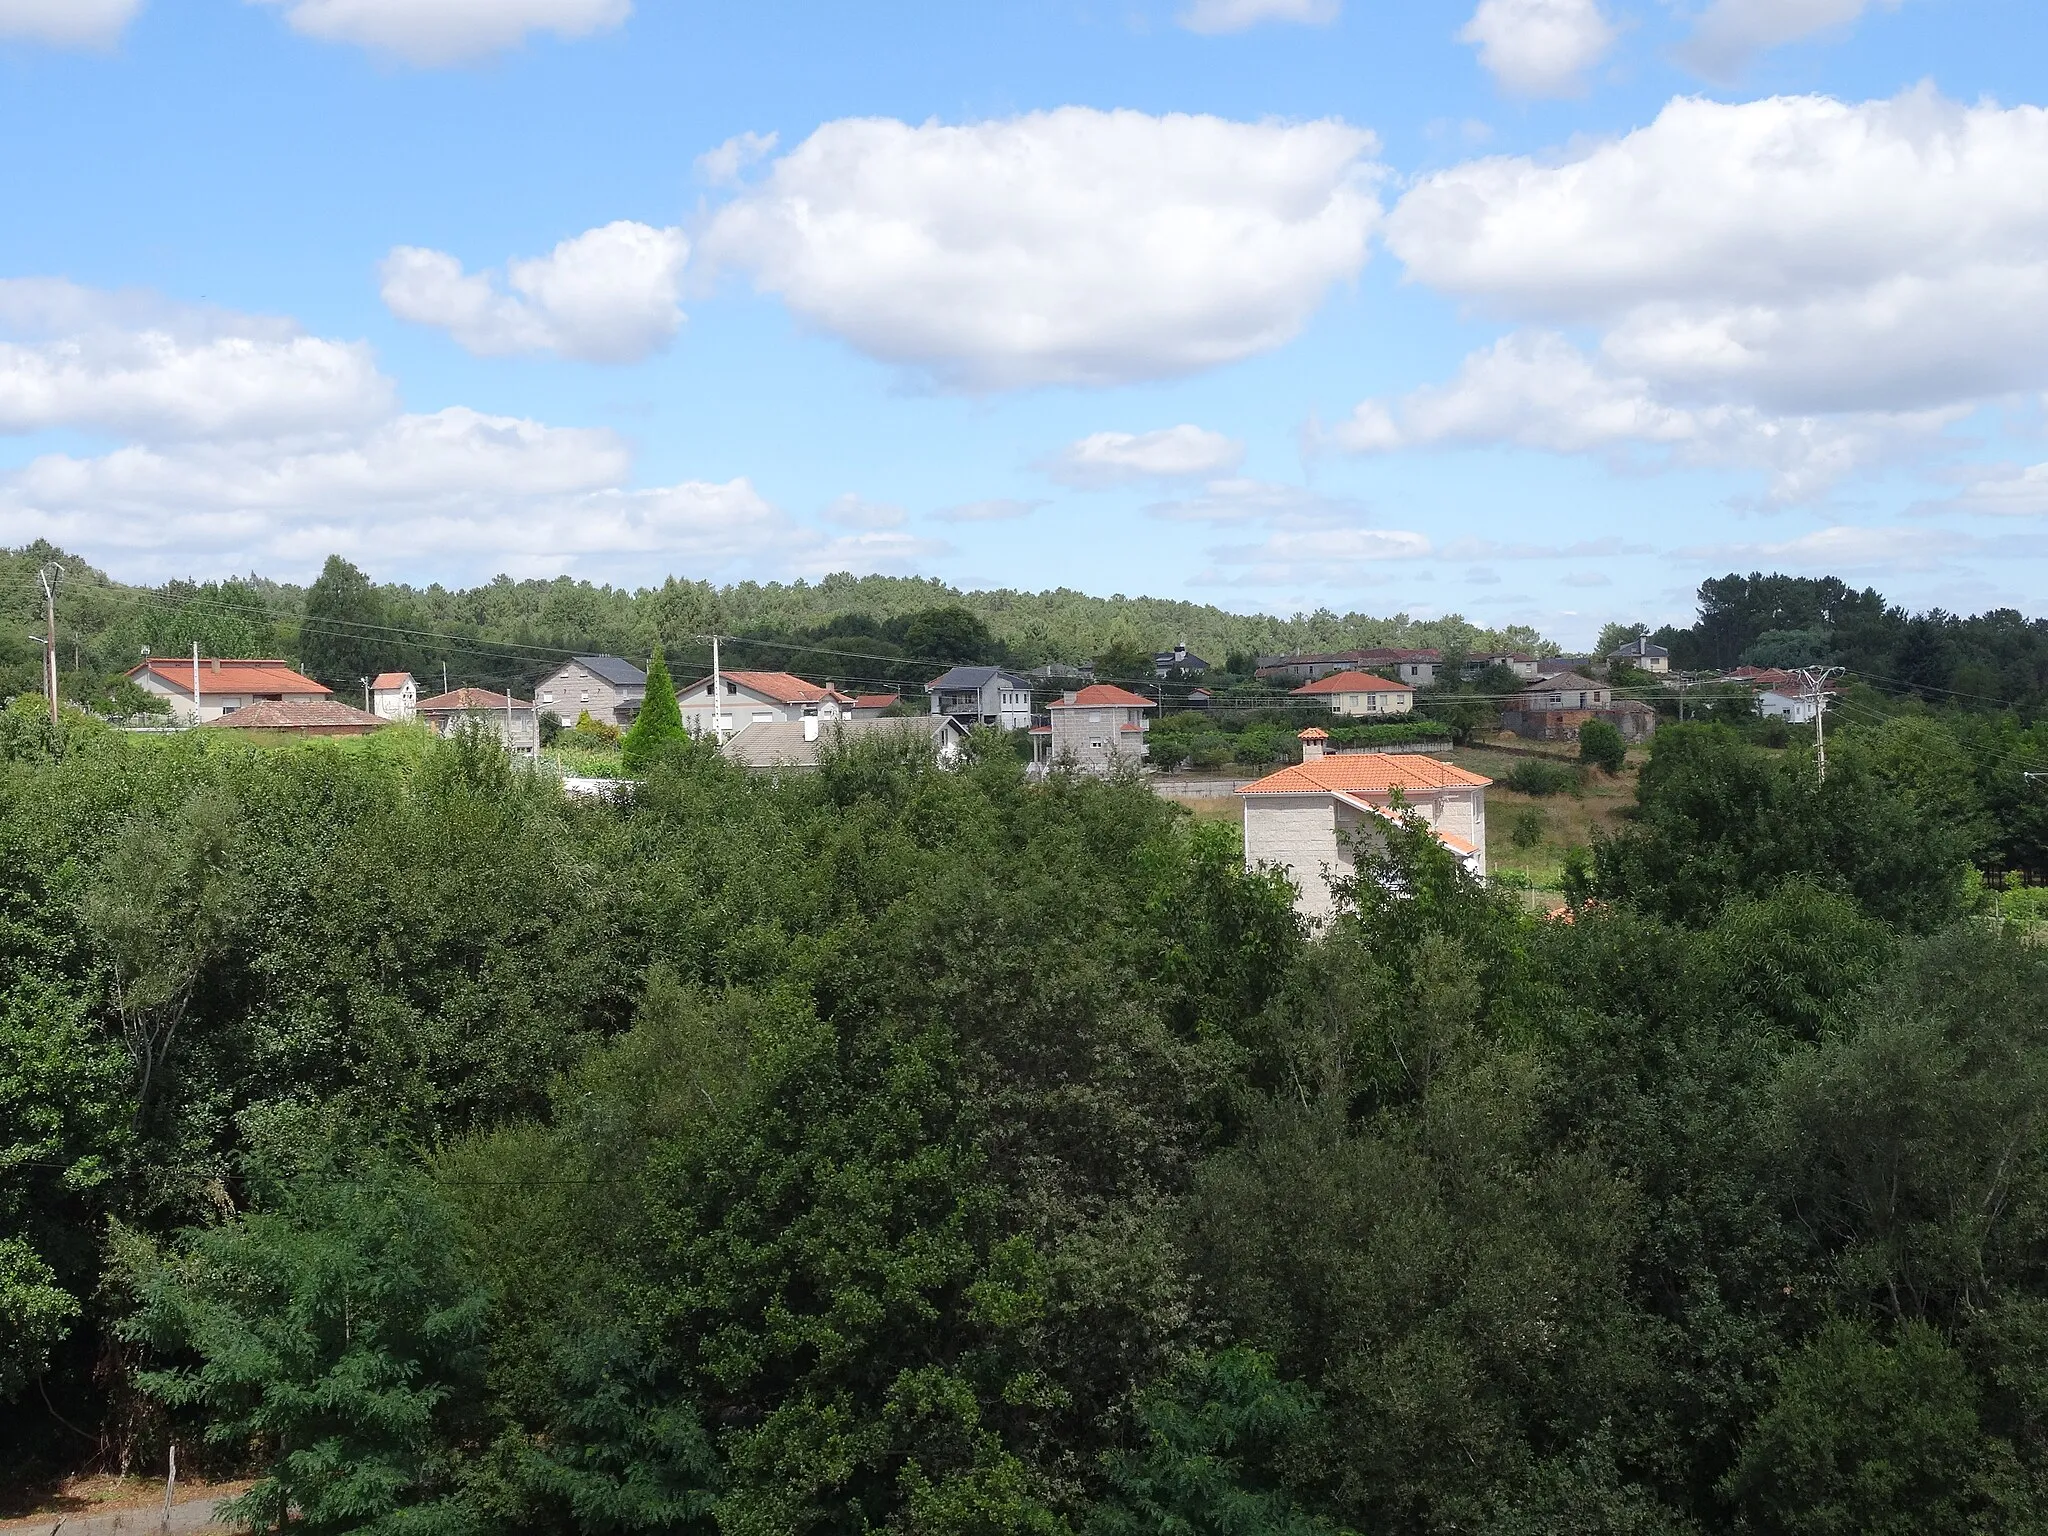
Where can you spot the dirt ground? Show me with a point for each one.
(80, 1498)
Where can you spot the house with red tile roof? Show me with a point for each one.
(513, 721)
(212, 686)
(1312, 818)
(1359, 693)
(300, 717)
(394, 695)
(757, 698)
(1094, 728)
(869, 706)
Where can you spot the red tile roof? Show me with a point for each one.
(782, 687)
(330, 716)
(468, 698)
(877, 700)
(1370, 773)
(1313, 733)
(1105, 696)
(1353, 682)
(384, 680)
(219, 675)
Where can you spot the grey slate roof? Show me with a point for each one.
(960, 679)
(615, 670)
(1562, 682)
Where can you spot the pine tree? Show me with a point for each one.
(659, 723)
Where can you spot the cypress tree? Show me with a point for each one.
(659, 722)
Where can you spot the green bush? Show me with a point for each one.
(1600, 744)
(1533, 776)
(1526, 826)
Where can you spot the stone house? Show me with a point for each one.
(783, 745)
(757, 698)
(1553, 709)
(209, 687)
(609, 689)
(1095, 729)
(1311, 819)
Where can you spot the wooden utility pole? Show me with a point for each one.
(49, 575)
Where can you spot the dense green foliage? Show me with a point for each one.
(658, 728)
(937, 1151)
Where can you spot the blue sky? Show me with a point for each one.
(1534, 310)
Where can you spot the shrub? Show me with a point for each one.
(1601, 745)
(1533, 776)
(1526, 827)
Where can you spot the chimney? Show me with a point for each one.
(1068, 697)
(216, 665)
(1312, 740)
(810, 727)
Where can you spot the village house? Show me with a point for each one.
(513, 721)
(1311, 819)
(394, 696)
(1642, 655)
(1180, 659)
(300, 717)
(1095, 729)
(1553, 666)
(1359, 693)
(869, 706)
(1520, 663)
(757, 698)
(209, 687)
(1790, 703)
(1415, 667)
(779, 745)
(1553, 709)
(609, 689)
(982, 696)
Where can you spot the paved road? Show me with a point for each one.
(189, 1516)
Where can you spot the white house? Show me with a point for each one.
(1643, 656)
(512, 720)
(204, 689)
(1359, 693)
(1793, 705)
(757, 698)
(982, 696)
(1309, 819)
(394, 696)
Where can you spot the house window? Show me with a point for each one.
(1095, 718)
(1095, 746)
(548, 697)
(584, 697)
(762, 716)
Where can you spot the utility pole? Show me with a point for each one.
(49, 575)
(1817, 680)
(366, 693)
(195, 682)
(717, 697)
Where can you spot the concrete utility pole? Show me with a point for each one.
(1817, 680)
(195, 682)
(49, 575)
(717, 696)
(366, 693)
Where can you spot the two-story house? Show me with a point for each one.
(1553, 709)
(1095, 729)
(1313, 819)
(1179, 660)
(609, 689)
(206, 687)
(1642, 655)
(982, 696)
(757, 698)
(1359, 693)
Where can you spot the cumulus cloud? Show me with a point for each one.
(1064, 247)
(851, 511)
(133, 363)
(996, 509)
(67, 23)
(2009, 492)
(1117, 458)
(1730, 33)
(1539, 47)
(441, 32)
(1217, 16)
(610, 295)
(1801, 253)
(1534, 389)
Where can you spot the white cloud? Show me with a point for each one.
(1313, 557)
(2012, 492)
(132, 363)
(1539, 47)
(1798, 253)
(1579, 549)
(1063, 247)
(1844, 548)
(1171, 453)
(68, 23)
(851, 511)
(997, 509)
(1730, 33)
(1589, 579)
(1217, 16)
(1243, 500)
(723, 166)
(610, 295)
(1534, 389)
(439, 32)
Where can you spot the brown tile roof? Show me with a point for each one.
(1105, 695)
(384, 680)
(1563, 682)
(782, 687)
(1353, 682)
(1371, 773)
(219, 675)
(329, 715)
(877, 700)
(1313, 733)
(459, 699)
